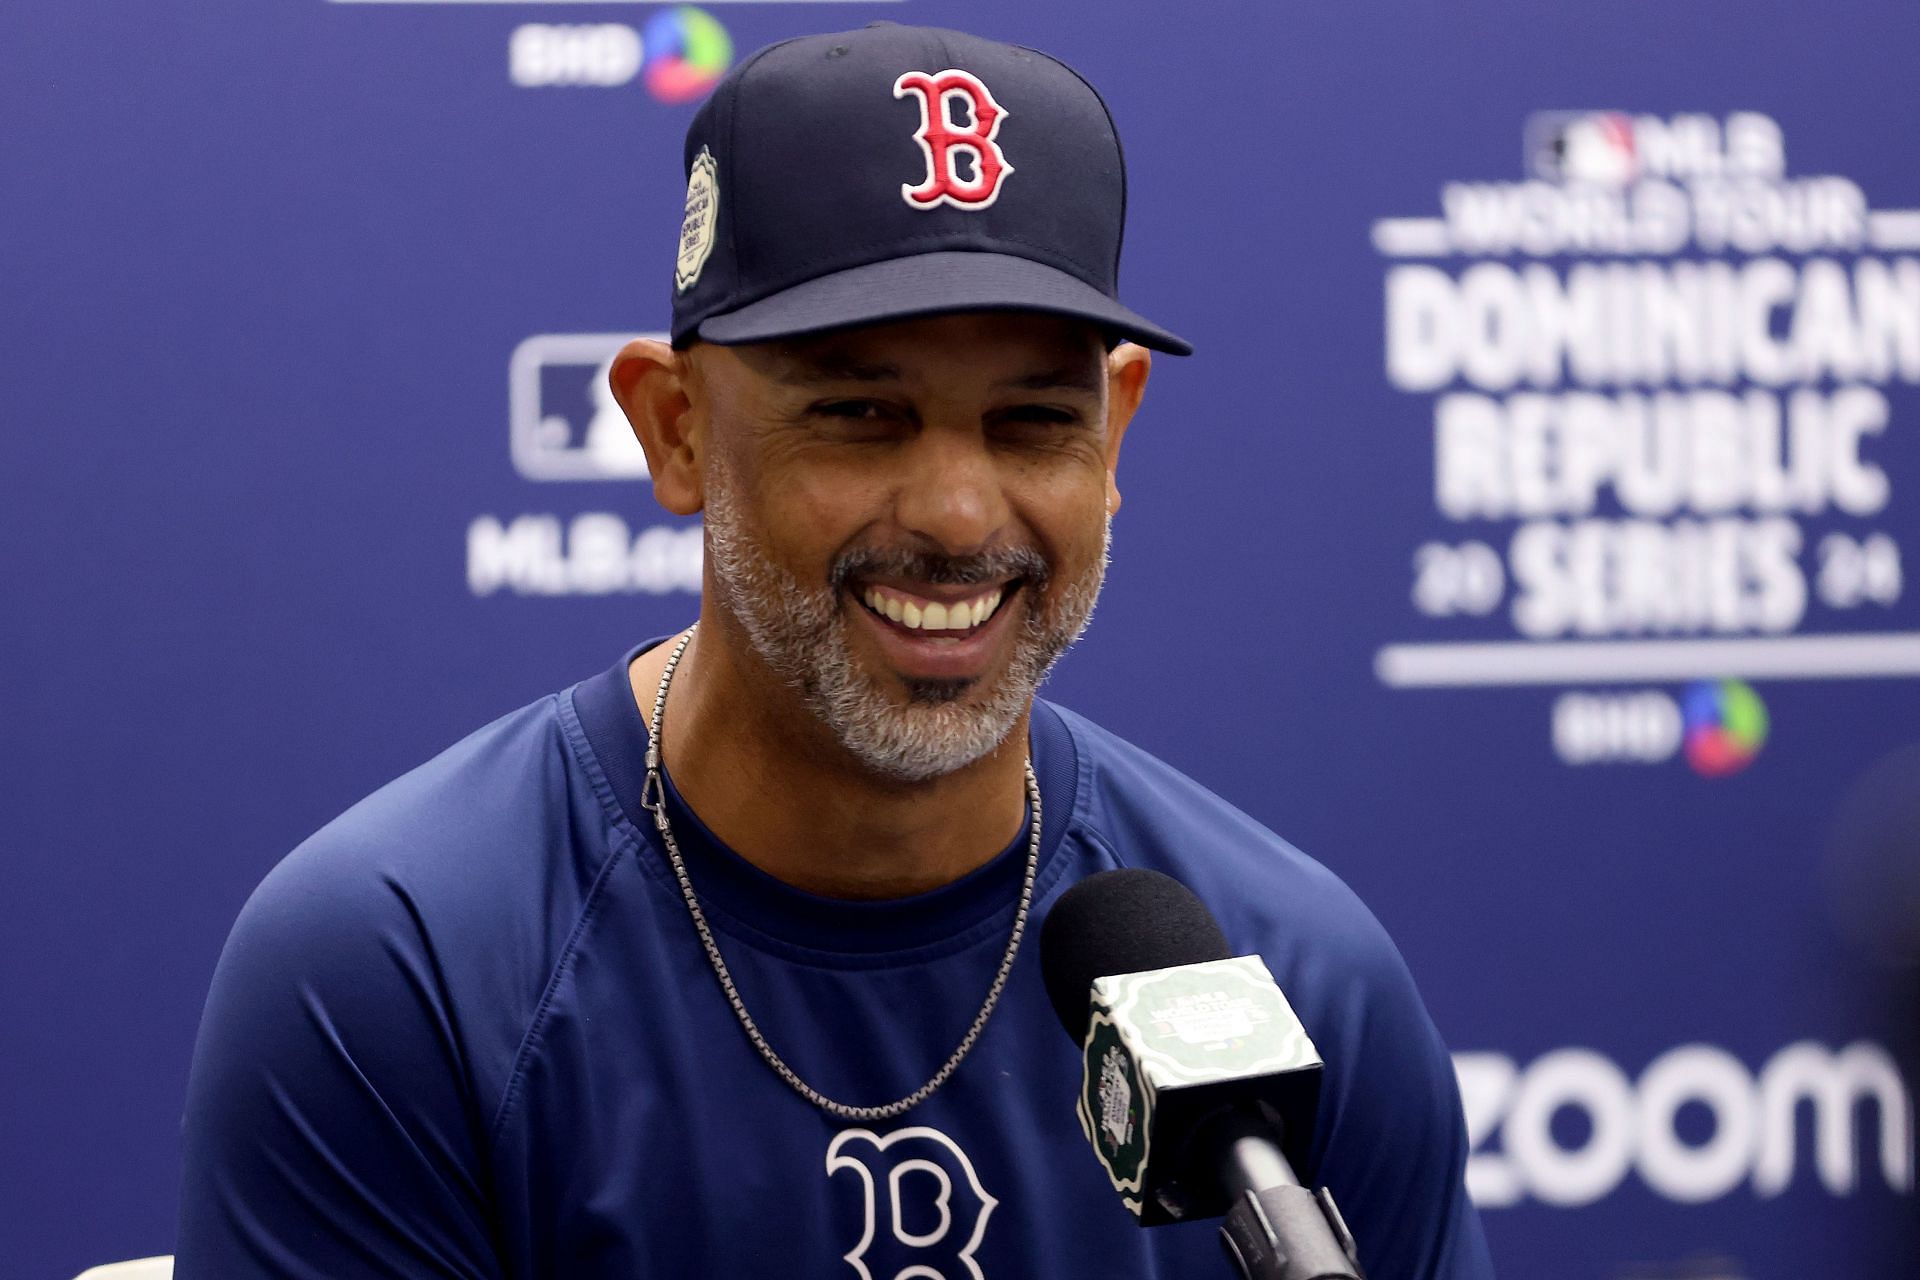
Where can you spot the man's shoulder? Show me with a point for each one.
(381, 982)
(1266, 891)
(446, 899)
(465, 814)
(501, 834)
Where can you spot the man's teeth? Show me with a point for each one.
(960, 615)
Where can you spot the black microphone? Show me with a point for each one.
(1200, 1084)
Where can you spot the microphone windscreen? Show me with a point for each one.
(1124, 921)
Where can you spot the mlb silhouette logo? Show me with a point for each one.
(563, 421)
(1596, 147)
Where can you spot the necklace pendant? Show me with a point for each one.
(653, 794)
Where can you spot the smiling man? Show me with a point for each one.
(713, 964)
(906, 525)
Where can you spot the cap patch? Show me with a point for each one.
(944, 140)
(696, 231)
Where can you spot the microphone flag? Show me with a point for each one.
(1168, 1049)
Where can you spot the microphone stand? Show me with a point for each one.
(1278, 1229)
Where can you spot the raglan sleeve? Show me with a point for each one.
(1391, 1138)
(331, 1132)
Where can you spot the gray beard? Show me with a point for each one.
(801, 633)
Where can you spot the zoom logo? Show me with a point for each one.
(1570, 1127)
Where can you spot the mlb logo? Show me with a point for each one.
(1594, 147)
(563, 421)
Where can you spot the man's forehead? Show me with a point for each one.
(1014, 349)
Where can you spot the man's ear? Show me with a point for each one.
(1127, 368)
(655, 387)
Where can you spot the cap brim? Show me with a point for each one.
(931, 284)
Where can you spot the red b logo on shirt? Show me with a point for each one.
(944, 140)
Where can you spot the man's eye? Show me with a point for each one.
(850, 410)
(1039, 415)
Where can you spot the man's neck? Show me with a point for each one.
(782, 793)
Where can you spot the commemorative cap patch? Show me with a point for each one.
(696, 229)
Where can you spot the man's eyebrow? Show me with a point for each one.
(815, 370)
(1076, 377)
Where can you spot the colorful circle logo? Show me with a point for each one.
(1726, 726)
(687, 53)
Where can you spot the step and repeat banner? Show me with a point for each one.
(1532, 537)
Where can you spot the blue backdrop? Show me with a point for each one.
(1525, 540)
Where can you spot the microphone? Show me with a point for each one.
(1200, 1084)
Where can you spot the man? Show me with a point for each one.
(712, 965)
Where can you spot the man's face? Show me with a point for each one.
(909, 521)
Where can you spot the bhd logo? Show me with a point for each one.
(1721, 724)
(563, 420)
(683, 52)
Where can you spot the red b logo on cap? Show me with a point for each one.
(943, 140)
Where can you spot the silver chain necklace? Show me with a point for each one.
(653, 798)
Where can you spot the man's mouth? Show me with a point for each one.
(951, 616)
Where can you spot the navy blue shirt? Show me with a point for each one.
(468, 1030)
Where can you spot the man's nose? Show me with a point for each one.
(953, 492)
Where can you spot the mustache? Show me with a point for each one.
(938, 568)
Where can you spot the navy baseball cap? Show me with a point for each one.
(900, 171)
